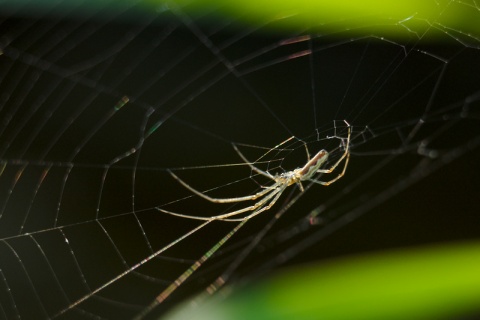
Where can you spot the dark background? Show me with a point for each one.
(72, 162)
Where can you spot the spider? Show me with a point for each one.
(269, 195)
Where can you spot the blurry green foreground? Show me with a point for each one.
(406, 18)
(429, 283)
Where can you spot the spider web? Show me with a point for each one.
(98, 107)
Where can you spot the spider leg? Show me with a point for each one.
(260, 204)
(330, 170)
(166, 293)
(345, 154)
(187, 273)
(326, 183)
(223, 200)
(262, 209)
(257, 170)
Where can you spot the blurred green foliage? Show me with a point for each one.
(439, 282)
(385, 17)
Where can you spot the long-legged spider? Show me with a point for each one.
(269, 195)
